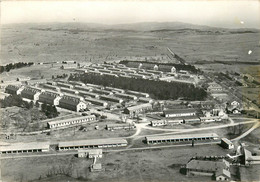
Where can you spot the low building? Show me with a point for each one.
(35, 81)
(95, 86)
(83, 88)
(31, 93)
(220, 170)
(96, 167)
(65, 85)
(47, 86)
(214, 87)
(109, 74)
(88, 94)
(179, 112)
(102, 91)
(159, 123)
(125, 96)
(226, 143)
(96, 101)
(12, 89)
(191, 119)
(16, 148)
(68, 90)
(135, 110)
(92, 143)
(249, 158)
(112, 89)
(111, 99)
(90, 153)
(208, 119)
(135, 75)
(69, 66)
(71, 121)
(126, 126)
(138, 94)
(181, 138)
(51, 98)
(145, 100)
(72, 103)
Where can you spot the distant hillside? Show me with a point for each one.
(143, 26)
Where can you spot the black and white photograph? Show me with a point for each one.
(129, 90)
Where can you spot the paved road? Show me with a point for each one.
(256, 125)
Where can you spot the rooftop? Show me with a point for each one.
(173, 111)
(24, 146)
(93, 142)
(70, 119)
(132, 108)
(171, 137)
(207, 165)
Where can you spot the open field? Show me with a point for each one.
(83, 42)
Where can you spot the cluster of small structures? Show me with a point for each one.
(121, 70)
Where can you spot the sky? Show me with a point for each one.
(227, 14)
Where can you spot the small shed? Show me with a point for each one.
(96, 167)
(91, 153)
(226, 143)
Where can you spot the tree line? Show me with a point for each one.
(11, 66)
(157, 89)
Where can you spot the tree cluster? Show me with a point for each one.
(49, 110)
(157, 89)
(11, 66)
(15, 100)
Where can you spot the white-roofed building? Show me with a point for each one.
(92, 143)
(181, 138)
(135, 110)
(90, 153)
(71, 121)
(16, 148)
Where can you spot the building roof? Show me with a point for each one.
(249, 156)
(93, 142)
(29, 90)
(49, 95)
(112, 98)
(24, 146)
(90, 99)
(207, 165)
(177, 111)
(146, 99)
(91, 151)
(223, 172)
(172, 137)
(118, 125)
(70, 119)
(133, 108)
(227, 141)
(135, 92)
(125, 95)
(12, 87)
(97, 166)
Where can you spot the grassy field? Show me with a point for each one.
(58, 42)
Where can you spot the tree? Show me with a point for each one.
(37, 104)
